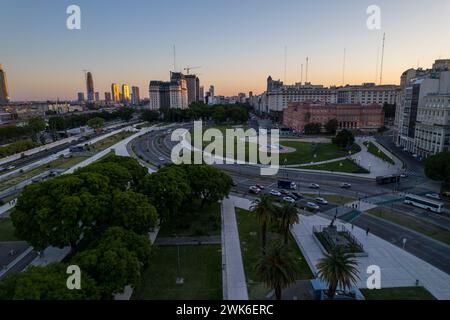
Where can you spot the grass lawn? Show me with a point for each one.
(332, 198)
(108, 142)
(373, 149)
(250, 239)
(63, 163)
(347, 166)
(194, 222)
(430, 230)
(201, 268)
(406, 293)
(7, 230)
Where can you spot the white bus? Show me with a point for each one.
(424, 203)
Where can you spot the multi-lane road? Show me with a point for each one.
(156, 148)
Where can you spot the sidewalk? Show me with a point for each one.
(398, 267)
(234, 283)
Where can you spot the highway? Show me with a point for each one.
(156, 147)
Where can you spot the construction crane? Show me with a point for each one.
(190, 68)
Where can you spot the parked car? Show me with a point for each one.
(288, 199)
(404, 175)
(254, 189)
(314, 186)
(284, 192)
(321, 201)
(346, 185)
(259, 186)
(275, 193)
(312, 205)
(433, 196)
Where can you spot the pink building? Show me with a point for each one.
(348, 116)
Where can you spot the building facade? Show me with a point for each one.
(193, 88)
(136, 99)
(107, 97)
(115, 92)
(4, 96)
(348, 116)
(80, 97)
(90, 87)
(432, 129)
(126, 95)
(169, 94)
(368, 93)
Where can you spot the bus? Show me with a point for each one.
(424, 203)
(395, 178)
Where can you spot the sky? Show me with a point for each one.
(237, 43)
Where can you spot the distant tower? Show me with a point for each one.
(135, 94)
(382, 59)
(126, 93)
(4, 97)
(90, 87)
(115, 92)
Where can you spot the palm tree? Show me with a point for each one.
(264, 211)
(338, 269)
(278, 269)
(287, 216)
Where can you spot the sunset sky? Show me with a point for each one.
(237, 43)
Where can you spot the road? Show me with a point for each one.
(155, 148)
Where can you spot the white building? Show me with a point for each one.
(170, 94)
(432, 131)
(368, 94)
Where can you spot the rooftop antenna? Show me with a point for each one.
(301, 74)
(376, 65)
(285, 63)
(382, 59)
(343, 69)
(307, 64)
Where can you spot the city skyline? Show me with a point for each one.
(44, 60)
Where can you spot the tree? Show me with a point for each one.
(264, 210)
(96, 123)
(167, 190)
(208, 183)
(338, 269)
(45, 283)
(313, 128)
(150, 115)
(278, 269)
(125, 113)
(287, 216)
(132, 211)
(344, 139)
(118, 176)
(331, 126)
(133, 167)
(36, 126)
(58, 211)
(437, 167)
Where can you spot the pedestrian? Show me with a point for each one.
(367, 231)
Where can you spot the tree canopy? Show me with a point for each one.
(344, 139)
(437, 167)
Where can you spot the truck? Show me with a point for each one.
(284, 184)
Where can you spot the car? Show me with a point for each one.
(321, 201)
(275, 193)
(312, 205)
(233, 183)
(314, 186)
(433, 196)
(288, 200)
(286, 193)
(10, 167)
(161, 159)
(346, 185)
(446, 193)
(404, 175)
(254, 189)
(260, 186)
(415, 156)
(297, 195)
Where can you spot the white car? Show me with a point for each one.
(161, 159)
(10, 167)
(433, 196)
(404, 175)
(321, 201)
(288, 199)
(314, 186)
(346, 185)
(312, 205)
(275, 193)
(254, 189)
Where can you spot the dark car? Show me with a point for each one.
(297, 195)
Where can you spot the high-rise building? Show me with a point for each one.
(193, 87)
(201, 94)
(115, 92)
(107, 97)
(422, 93)
(90, 87)
(126, 93)
(97, 96)
(135, 95)
(4, 97)
(80, 96)
(171, 94)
